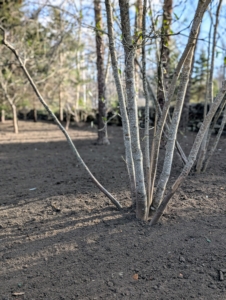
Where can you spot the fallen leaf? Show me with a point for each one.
(135, 276)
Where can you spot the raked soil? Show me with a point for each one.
(61, 238)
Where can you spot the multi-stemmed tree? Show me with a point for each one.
(155, 200)
(149, 193)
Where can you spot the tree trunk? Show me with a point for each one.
(61, 110)
(214, 145)
(147, 107)
(122, 102)
(102, 129)
(15, 121)
(164, 51)
(35, 116)
(141, 205)
(202, 6)
(170, 146)
(137, 33)
(185, 111)
(205, 143)
(68, 118)
(3, 116)
(193, 154)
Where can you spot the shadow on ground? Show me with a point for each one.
(60, 238)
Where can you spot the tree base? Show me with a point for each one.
(102, 141)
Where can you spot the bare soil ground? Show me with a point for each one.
(60, 238)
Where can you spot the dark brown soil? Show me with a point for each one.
(60, 238)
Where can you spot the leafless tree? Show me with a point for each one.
(150, 193)
(156, 199)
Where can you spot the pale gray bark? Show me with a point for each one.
(159, 113)
(214, 145)
(68, 118)
(137, 37)
(208, 66)
(61, 106)
(146, 96)
(122, 103)
(3, 116)
(202, 6)
(193, 154)
(217, 115)
(71, 144)
(61, 109)
(141, 204)
(205, 143)
(172, 134)
(210, 93)
(107, 68)
(185, 110)
(12, 105)
(15, 120)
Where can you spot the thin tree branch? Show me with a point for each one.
(192, 156)
(75, 151)
(122, 102)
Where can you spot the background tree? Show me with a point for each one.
(102, 113)
(164, 57)
(10, 16)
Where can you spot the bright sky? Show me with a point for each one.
(184, 9)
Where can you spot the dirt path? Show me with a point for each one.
(60, 238)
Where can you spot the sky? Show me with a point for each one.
(183, 9)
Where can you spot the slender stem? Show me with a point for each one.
(214, 145)
(206, 139)
(170, 146)
(122, 103)
(202, 6)
(145, 89)
(192, 156)
(159, 112)
(129, 50)
(75, 151)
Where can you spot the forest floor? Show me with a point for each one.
(60, 238)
